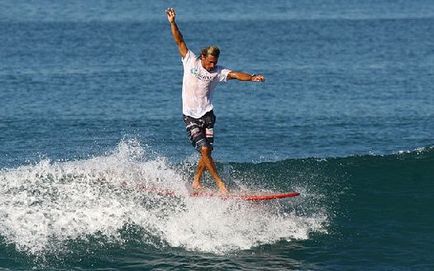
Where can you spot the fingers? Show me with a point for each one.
(170, 12)
(259, 78)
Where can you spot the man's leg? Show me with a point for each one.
(198, 176)
(206, 162)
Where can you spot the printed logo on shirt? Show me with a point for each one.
(195, 73)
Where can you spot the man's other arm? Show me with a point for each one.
(242, 76)
(177, 36)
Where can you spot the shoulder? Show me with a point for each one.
(222, 69)
(189, 55)
(222, 73)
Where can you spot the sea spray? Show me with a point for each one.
(47, 205)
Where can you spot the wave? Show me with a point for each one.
(51, 206)
(48, 206)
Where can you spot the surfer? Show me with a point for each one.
(201, 75)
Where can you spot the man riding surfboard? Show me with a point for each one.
(201, 75)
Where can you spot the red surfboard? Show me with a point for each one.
(247, 196)
(244, 196)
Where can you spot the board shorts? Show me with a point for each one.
(201, 131)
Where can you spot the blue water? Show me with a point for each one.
(90, 112)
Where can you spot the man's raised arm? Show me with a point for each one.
(177, 36)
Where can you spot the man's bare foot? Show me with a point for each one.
(196, 186)
(223, 190)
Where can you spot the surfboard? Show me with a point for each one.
(238, 195)
(246, 196)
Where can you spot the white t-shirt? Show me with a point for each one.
(198, 85)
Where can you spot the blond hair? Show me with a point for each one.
(210, 51)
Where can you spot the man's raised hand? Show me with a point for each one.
(171, 14)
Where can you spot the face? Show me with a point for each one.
(209, 62)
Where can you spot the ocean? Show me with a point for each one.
(90, 115)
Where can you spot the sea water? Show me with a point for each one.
(90, 119)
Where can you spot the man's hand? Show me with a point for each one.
(171, 14)
(258, 78)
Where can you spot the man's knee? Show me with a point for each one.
(205, 150)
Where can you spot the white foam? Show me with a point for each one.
(220, 226)
(42, 206)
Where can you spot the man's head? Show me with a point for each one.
(209, 57)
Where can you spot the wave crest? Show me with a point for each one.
(44, 206)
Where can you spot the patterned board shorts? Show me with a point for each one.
(200, 131)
